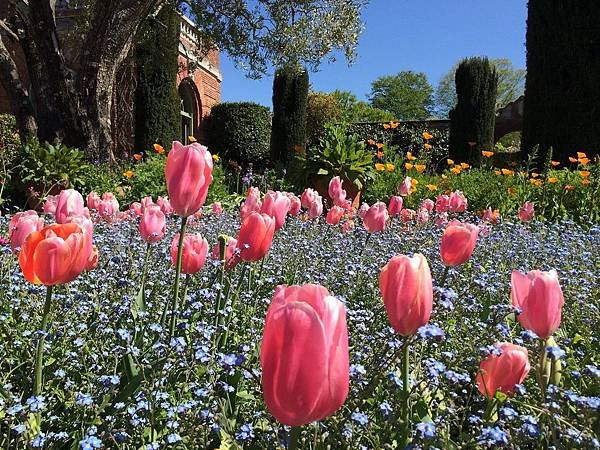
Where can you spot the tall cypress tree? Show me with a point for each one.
(290, 96)
(472, 119)
(562, 88)
(157, 104)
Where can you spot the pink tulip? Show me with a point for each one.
(395, 206)
(407, 292)
(92, 200)
(108, 208)
(256, 236)
(407, 215)
(337, 194)
(442, 204)
(334, 215)
(304, 355)
(490, 216)
(422, 216)
(276, 205)
(295, 205)
(229, 250)
(441, 220)
(50, 204)
(427, 204)
(146, 201)
(308, 197)
(21, 225)
(526, 212)
(363, 210)
(348, 226)
(136, 208)
(165, 205)
(316, 208)
(376, 218)
(195, 248)
(458, 242)
(457, 202)
(539, 297)
(152, 224)
(406, 187)
(69, 203)
(188, 173)
(252, 203)
(93, 259)
(217, 208)
(503, 372)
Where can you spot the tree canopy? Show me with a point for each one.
(407, 95)
(511, 85)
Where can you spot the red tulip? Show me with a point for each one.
(276, 205)
(256, 236)
(316, 207)
(395, 206)
(252, 203)
(334, 215)
(502, 373)
(457, 202)
(92, 200)
(152, 224)
(308, 197)
(21, 225)
(458, 242)
(304, 355)
(50, 204)
(337, 194)
(406, 187)
(407, 292)
(539, 297)
(188, 173)
(295, 204)
(526, 212)
(195, 248)
(54, 254)
(442, 204)
(69, 203)
(375, 218)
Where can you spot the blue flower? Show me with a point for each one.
(360, 418)
(173, 438)
(426, 430)
(430, 331)
(89, 443)
(245, 432)
(386, 409)
(492, 436)
(555, 352)
(36, 403)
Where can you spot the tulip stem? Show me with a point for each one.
(444, 276)
(39, 353)
(177, 276)
(543, 377)
(294, 438)
(406, 391)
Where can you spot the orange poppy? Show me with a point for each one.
(534, 175)
(128, 174)
(431, 187)
(427, 135)
(420, 167)
(569, 187)
(449, 162)
(552, 180)
(555, 163)
(394, 124)
(444, 176)
(427, 146)
(408, 166)
(584, 173)
(379, 145)
(584, 161)
(390, 167)
(497, 172)
(487, 154)
(380, 154)
(464, 165)
(371, 142)
(137, 156)
(585, 181)
(386, 126)
(581, 155)
(158, 148)
(410, 156)
(573, 160)
(456, 170)
(379, 167)
(508, 172)
(192, 139)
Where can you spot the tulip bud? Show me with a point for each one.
(376, 218)
(152, 224)
(195, 248)
(256, 236)
(69, 203)
(395, 206)
(458, 242)
(503, 372)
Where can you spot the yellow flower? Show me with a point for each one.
(584, 173)
(427, 146)
(585, 181)
(552, 180)
(444, 176)
(449, 162)
(535, 182)
(216, 158)
(555, 163)
(456, 170)
(420, 167)
(408, 166)
(410, 156)
(128, 174)
(414, 182)
(379, 167)
(158, 148)
(497, 172)
(487, 154)
(464, 165)
(192, 139)
(581, 155)
(390, 167)
(427, 135)
(431, 187)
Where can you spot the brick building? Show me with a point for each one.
(198, 81)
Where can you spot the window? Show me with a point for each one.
(188, 111)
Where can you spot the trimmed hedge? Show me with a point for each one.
(240, 132)
(407, 137)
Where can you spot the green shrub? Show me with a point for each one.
(241, 132)
(9, 143)
(290, 95)
(472, 119)
(322, 109)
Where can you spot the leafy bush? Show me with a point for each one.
(9, 143)
(322, 109)
(241, 132)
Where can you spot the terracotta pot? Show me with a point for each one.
(321, 185)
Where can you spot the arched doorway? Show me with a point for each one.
(188, 110)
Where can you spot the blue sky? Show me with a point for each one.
(421, 35)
